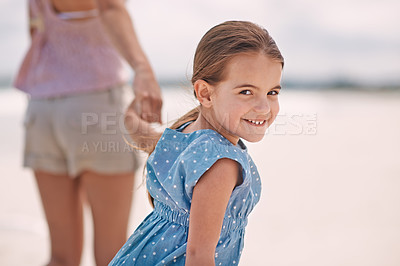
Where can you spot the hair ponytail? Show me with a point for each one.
(189, 116)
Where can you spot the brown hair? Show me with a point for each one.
(226, 40)
(217, 47)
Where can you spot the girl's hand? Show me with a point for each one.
(141, 131)
(132, 118)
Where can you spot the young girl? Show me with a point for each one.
(201, 179)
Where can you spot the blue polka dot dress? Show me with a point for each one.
(173, 169)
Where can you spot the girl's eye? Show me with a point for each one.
(273, 93)
(245, 92)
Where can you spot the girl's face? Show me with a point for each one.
(246, 103)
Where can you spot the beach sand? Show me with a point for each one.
(330, 168)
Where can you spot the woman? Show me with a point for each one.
(73, 140)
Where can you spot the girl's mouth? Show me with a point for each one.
(258, 123)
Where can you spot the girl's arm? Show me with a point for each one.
(210, 199)
(141, 131)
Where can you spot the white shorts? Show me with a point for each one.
(72, 134)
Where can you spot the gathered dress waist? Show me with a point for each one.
(177, 216)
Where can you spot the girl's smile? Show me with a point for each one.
(255, 122)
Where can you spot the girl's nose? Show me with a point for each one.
(262, 105)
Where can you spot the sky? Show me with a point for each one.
(355, 40)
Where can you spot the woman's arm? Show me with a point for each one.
(31, 23)
(210, 199)
(118, 24)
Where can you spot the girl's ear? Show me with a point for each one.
(203, 92)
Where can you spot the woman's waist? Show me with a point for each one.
(44, 79)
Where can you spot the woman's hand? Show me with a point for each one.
(148, 100)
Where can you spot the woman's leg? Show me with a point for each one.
(61, 200)
(110, 198)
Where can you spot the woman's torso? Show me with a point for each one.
(67, 56)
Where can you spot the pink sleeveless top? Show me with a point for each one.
(67, 57)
